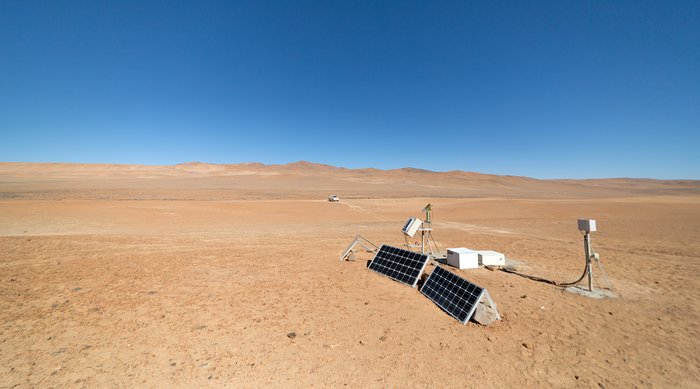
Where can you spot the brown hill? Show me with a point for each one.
(196, 180)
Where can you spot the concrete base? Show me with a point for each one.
(595, 294)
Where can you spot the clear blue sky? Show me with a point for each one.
(547, 89)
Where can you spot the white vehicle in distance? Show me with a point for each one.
(333, 198)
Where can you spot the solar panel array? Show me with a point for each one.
(398, 264)
(455, 295)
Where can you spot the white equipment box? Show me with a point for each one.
(412, 225)
(491, 258)
(462, 258)
(586, 225)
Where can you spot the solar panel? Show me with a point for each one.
(399, 264)
(455, 295)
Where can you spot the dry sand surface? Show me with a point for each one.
(196, 275)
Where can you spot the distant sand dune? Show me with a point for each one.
(195, 180)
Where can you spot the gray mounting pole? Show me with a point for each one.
(587, 248)
(426, 226)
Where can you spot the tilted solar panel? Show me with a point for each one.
(455, 295)
(399, 264)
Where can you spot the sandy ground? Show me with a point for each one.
(171, 292)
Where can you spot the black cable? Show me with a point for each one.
(585, 270)
(540, 279)
(534, 278)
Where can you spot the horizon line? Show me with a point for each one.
(302, 161)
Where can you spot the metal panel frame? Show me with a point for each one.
(359, 239)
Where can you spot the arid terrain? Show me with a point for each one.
(199, 275)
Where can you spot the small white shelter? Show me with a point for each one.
(491, 258)
(462, 258)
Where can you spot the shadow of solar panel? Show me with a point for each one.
(398, 264)
(455, 295)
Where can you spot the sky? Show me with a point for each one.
(546, 89)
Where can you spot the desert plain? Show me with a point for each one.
(199, 275)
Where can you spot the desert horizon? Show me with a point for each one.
(305, 180)
(202, 166)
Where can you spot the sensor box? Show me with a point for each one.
(463, 258)
(491, 258)
(586, 225)
(412, 225)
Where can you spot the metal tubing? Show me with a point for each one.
(587, 249)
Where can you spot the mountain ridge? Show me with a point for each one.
(301, 165)
(303, 179)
